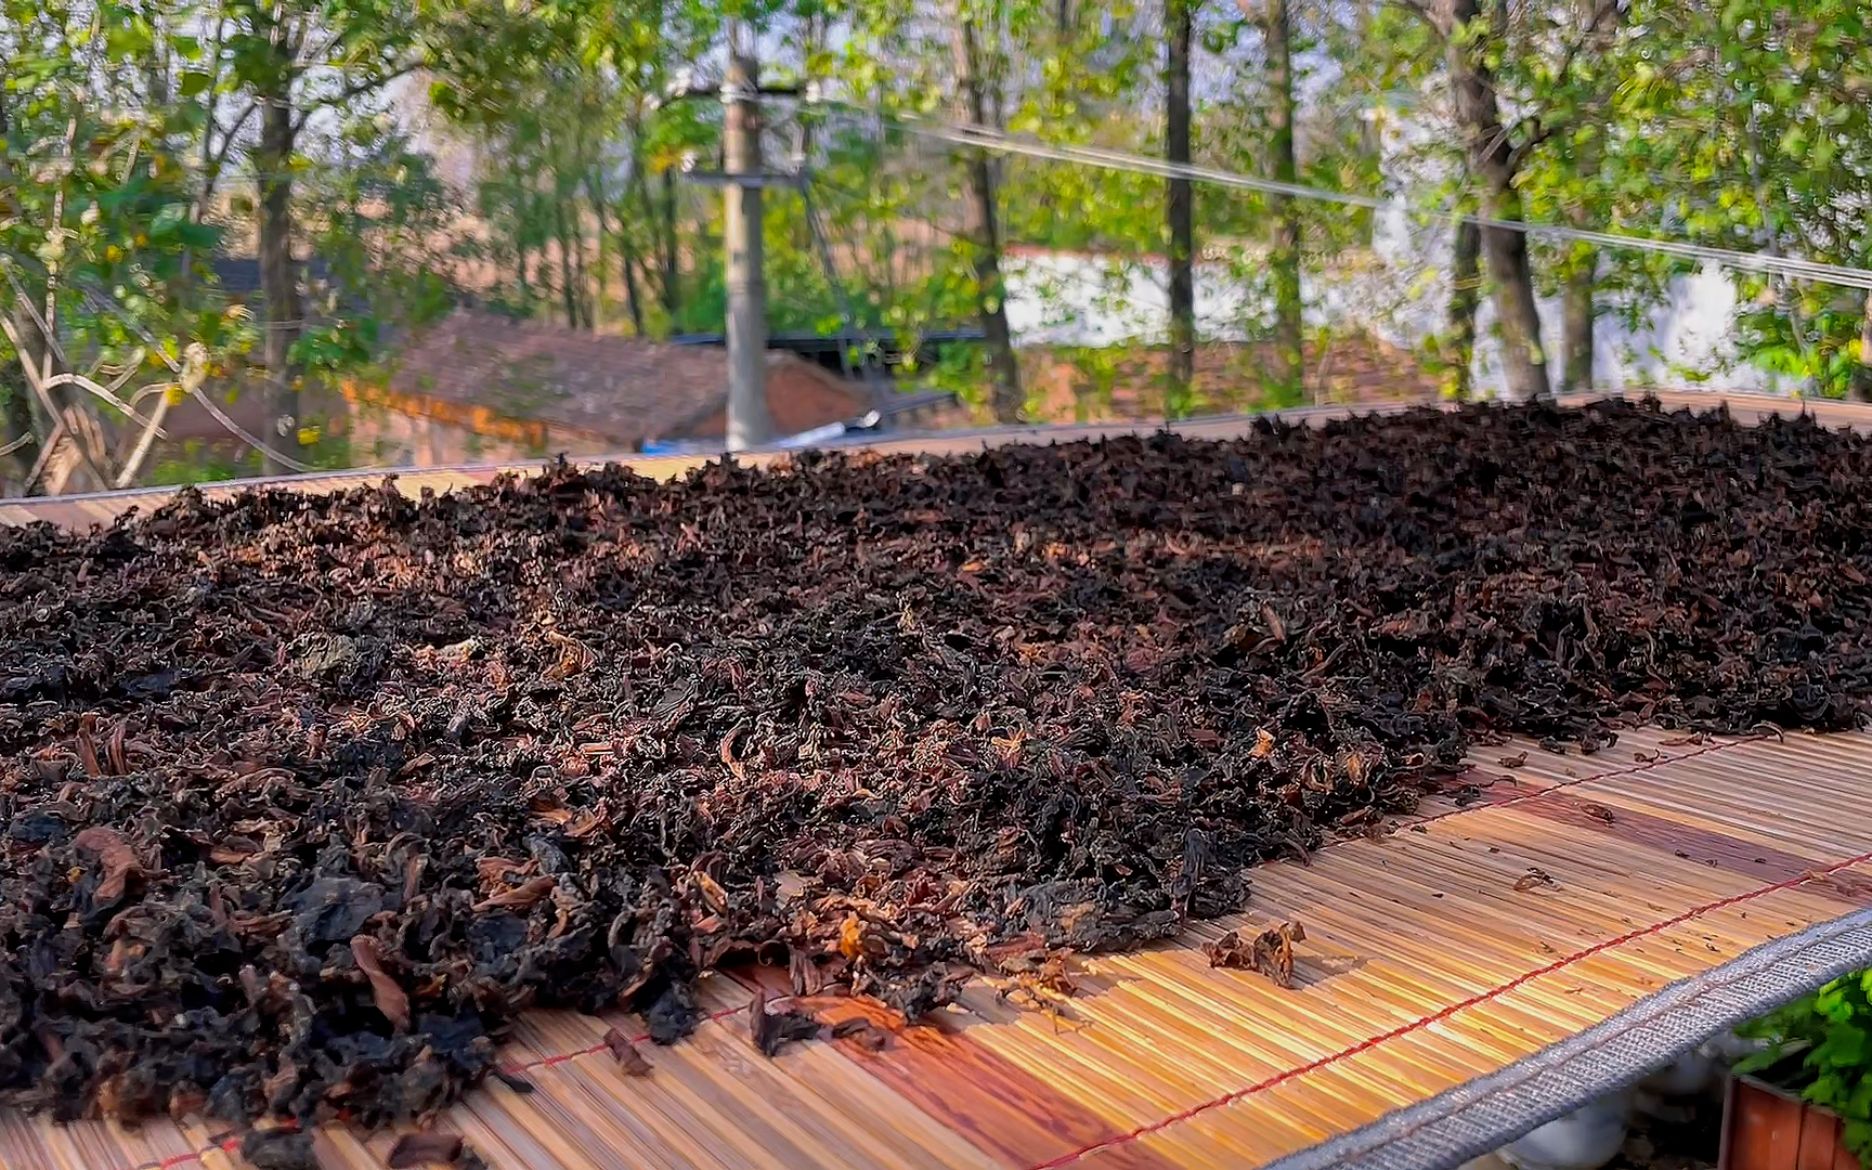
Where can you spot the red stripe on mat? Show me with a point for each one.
(1444, 1014)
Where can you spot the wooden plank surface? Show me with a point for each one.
(1424, 967)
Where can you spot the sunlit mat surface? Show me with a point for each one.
(1564, 890)
(1459, 943)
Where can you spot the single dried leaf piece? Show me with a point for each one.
(1514, 761)
(87, 747)
(1270, 953)
(1264, 744)
(520, 897)
(389, 996)
(1535, 876)
(712, 892)
(863, 1033)
(1598, 812)
(622, 1047)
(1277, 629)
(549, 809)
(492, 870)
(115, 857)
(804, 973)
(772, 1030)
(852, 938)
(415, 1149)
(231, 854)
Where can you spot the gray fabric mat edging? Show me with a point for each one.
(1486, 1113)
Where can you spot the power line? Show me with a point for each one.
(1000, 142)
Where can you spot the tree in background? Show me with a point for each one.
(284, 63)
(1749, 124)
(98, 242)
(1180, 205)
(1284, 217)
(142, 136)
(1516, 78)
(979, 68)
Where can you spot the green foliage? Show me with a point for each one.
(1831, 1034)
(131, 153)
(1740, 124)
(385, 227)
(197, 463)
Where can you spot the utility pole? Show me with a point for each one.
(742, 179)
(749, 422)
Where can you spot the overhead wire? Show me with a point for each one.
(1002, 142)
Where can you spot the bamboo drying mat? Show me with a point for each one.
(1424, 967)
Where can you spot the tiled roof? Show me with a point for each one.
(617, 388)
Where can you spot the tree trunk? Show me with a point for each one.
(627, 262)
(1861, 388)
(665, 284)
(1178, 398)
(279, 278)
(1370, 141)
(984, 229)
(1492, 160)
(670, 255)
(594, 190)
(633, 295)
(1284, 252)
(26, 414)
(1576, 324)
(1465, 298)
(1578, 310)
(568, 286)
(16, 406)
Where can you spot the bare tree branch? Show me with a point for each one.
(47, 449)
(355, 89)
(241, 433)
(1438, 22)
(1537, 128)
(214, 162)
(145, 443)
(95, 390)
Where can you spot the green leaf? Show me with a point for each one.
(170, 218)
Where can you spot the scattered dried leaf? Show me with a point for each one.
(1270, 953)
(625, 1050)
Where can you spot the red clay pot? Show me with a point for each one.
(1765, 1128)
